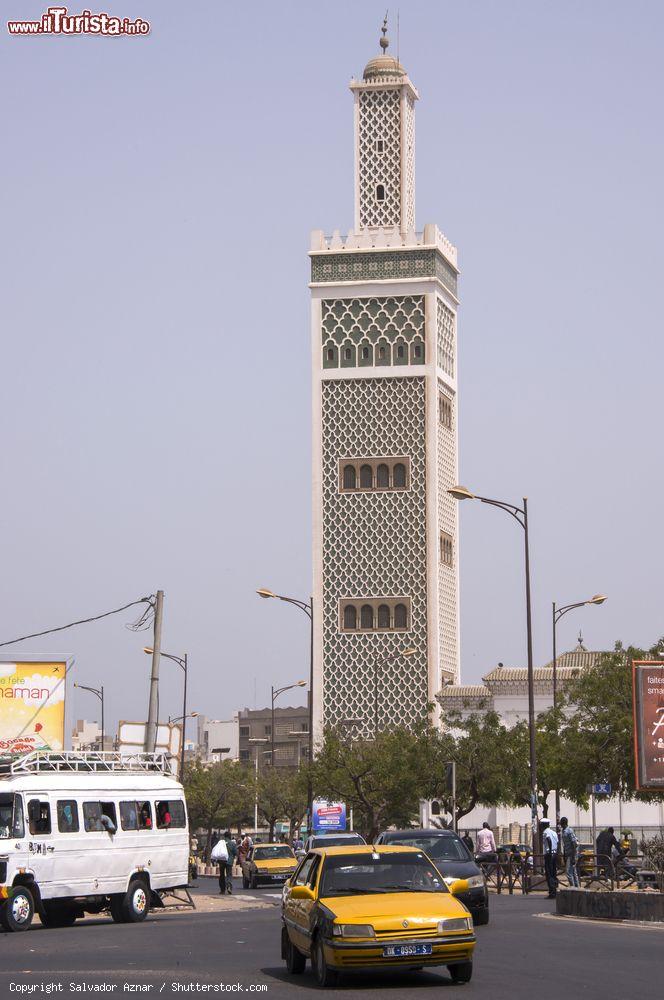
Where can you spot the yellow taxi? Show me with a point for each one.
(373, 907)
(268, 864)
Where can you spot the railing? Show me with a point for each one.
(505, 874)
(84, 762)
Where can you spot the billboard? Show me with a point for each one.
(32, 704)
(648, 687)
(329, 815)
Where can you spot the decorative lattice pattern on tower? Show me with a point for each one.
(380, 331)
(445, 337)
(447, 522)
(383, 265)
(380, 123)
(410, 161)
(374, 544)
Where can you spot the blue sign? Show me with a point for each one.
(328, 815)
(602, 788)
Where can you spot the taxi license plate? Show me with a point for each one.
(280, 878)
(404, 950)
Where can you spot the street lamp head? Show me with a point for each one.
(301, 684)
(408, 652)
(264, 592)
(597, 599)
(148, 649)
(461, 493)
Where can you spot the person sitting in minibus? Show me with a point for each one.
(163, 815)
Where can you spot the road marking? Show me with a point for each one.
(636, 925)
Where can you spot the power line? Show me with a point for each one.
(141, 623)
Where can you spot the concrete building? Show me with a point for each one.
(291, 735)
(216, 734)
(505, 691)
(383, 324)
(87, 736)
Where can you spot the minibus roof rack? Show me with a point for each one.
(40, 761)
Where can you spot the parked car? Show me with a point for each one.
(504, 851)
(268, 864)
(372, 907)
(453, 859)
(332, 839)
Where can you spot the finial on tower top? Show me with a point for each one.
(384, 41)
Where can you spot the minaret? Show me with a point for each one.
(383, 320)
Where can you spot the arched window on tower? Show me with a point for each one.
(366, 617)
(383, 616)
(350, 616)
(380, 192)
(366, 477)
(399, 476)
(350, 477)
(382, 477)
(400, 616)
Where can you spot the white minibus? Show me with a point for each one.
(87, 832)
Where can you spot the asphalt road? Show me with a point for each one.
(522, 953)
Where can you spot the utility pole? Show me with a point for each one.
(153, 707)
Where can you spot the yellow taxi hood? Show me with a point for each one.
(412, 906)
(270, 863)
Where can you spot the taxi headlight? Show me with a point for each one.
(454, 924)
(353, 930)
(475, 881)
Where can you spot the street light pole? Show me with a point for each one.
(557, 614)
(308, 609)
(520, 515)
(275, 694)
(99, 692)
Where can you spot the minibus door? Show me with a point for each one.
(40, 842)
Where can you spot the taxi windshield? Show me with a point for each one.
(347, 874)
(6, 816)
(267, 853)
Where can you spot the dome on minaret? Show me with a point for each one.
(383, 66)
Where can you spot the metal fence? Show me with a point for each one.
(595, 871)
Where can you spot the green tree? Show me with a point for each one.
(217, 794)
(282, 795)
(381, 780)
(491, 763)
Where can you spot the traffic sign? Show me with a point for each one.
(601, 788)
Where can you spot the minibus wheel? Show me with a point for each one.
(116, 908)
(58, 915)
(18, 911)
(136, 904)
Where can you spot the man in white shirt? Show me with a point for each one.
(550, 848)
(486, 845)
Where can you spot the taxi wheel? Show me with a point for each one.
(461, 973)
(18, 910)
(481, 917)
(325, 976)
(295, 961)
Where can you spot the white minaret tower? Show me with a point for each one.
(383, 320)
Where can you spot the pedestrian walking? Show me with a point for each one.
(231, 849)
(550, 847)
(570, 851)
(219, 856)
(468, 841)
(486, 844)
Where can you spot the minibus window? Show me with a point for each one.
(19, 824)
(163, 815)
(92, 817)
(128, 816)
(108, 817)
(39, 816)
(67, 816)
(6, 809)
(144, 815)
(173, 813)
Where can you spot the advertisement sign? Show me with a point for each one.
(32, 705)
(329, 815)
(648, 685)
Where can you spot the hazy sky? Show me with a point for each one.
(157, 197)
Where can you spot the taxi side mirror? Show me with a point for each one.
(458, 886)
(302, 892)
